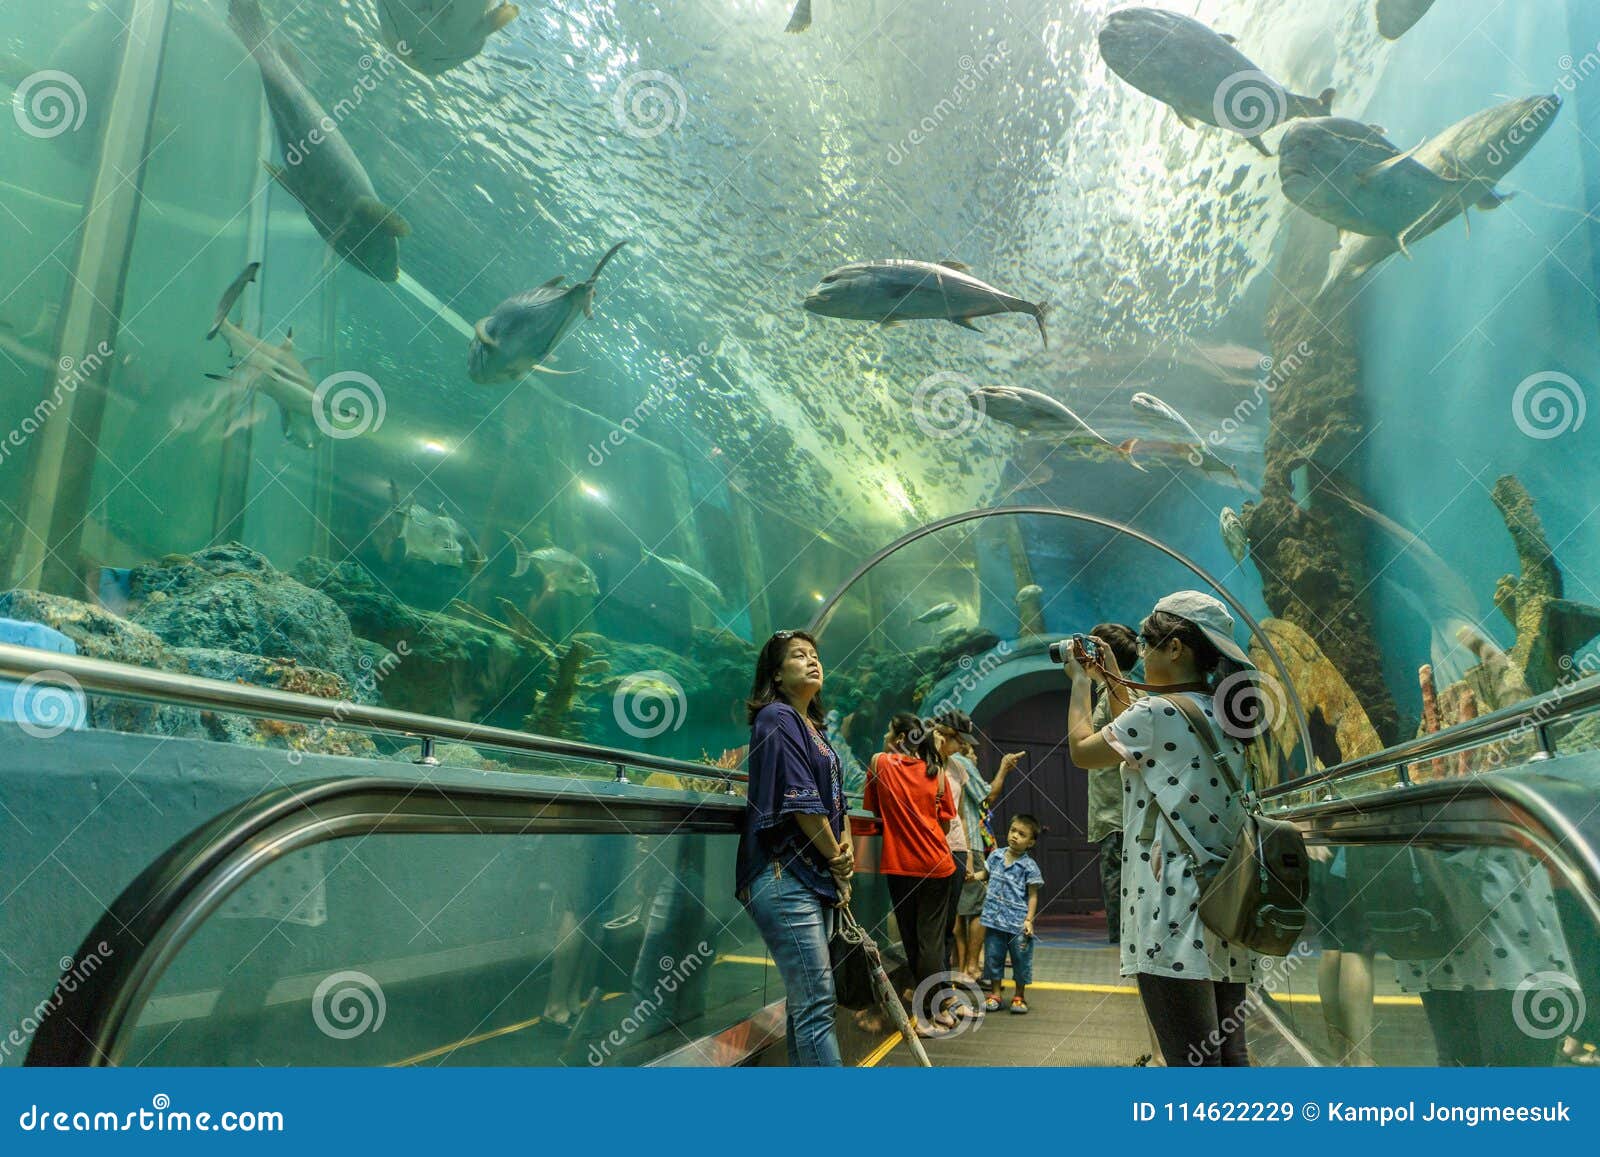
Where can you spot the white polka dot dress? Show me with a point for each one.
(1165, 766)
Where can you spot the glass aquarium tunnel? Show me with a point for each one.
(461, 400)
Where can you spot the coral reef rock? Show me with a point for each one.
(1340, 729)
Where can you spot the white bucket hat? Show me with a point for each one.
(1210, 616)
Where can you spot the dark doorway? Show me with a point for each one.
(1048, 785)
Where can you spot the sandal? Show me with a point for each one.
(1018, 1005)
(992, 1004)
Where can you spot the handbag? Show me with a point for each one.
(1257, 895)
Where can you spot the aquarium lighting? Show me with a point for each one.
(897, 494)
(593, 492)
(433, 447)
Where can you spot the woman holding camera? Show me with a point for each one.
(1181, 814)
(795, 858)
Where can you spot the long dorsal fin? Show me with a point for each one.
(554, 281)
(952, 263)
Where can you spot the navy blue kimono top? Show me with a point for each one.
(792, 772)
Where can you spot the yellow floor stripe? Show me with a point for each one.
(468, 1042)
(883, 1050)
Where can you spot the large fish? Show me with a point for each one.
(1396, 17)
(1481, 150)
(434, 36)
(688, 578)
(1038, 413)
(1351, 175)
(272, 369)
(562, 570)
(896, 290)
(1200, 75)
(320, 169)
(1179, 427)
(524, 330)
(1234, 535)
(800, 18)
(936, 612)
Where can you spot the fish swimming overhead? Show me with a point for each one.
(562, 570)
(1031, 591)
(1397, 17)
(894, 290)
(320, 169)
(1200, 75)
(1481, 150)
(524, 330)
(272, 369)
(434, 36)
(1350, 175)
(688, 578)
(1184, 434)
(1030, 410)
(1234, 536)
(936, 612)
(800, 18)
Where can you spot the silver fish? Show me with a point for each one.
(1030, 410)
(1234, 536)
(1031, 591)
(1200, 75)
(1397, 17)
(688, 578)
(1184, 433)
(272, 369)
(1350, 175)
(524, 330)
(800, 18)
(562, 570)
(1483, 149)
(936, 612)
(434, 36)
(325, 177)
(895, 290)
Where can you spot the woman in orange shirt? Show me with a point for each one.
(907, 789)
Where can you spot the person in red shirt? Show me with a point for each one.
(907, 789)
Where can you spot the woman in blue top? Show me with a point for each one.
(795, 859)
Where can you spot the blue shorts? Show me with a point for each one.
(996, 945)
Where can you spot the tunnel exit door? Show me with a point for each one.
(1048, 785)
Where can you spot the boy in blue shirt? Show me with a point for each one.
(1009, 905)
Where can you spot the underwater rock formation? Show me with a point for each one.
(1550, 627)
(557, 709)
(230, 598)
(1339, 726)
(1310, 553)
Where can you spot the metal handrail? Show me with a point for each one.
(146, 927)
(1533, 716)
(104, 677)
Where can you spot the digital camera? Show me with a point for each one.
(1085, 645)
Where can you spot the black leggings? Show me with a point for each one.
(1199, 1023)
(920, 907)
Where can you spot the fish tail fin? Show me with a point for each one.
(1324, 102)
(1258, 146)
(800, 18)
(523, 559)
(1126, 449)
(1038, 310)
(610, 253)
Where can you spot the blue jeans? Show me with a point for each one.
(997, 945)
(797, 924)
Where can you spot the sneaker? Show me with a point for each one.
(1018, 1004)
(992, 1004)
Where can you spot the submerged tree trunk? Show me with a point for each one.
(1306, 542)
